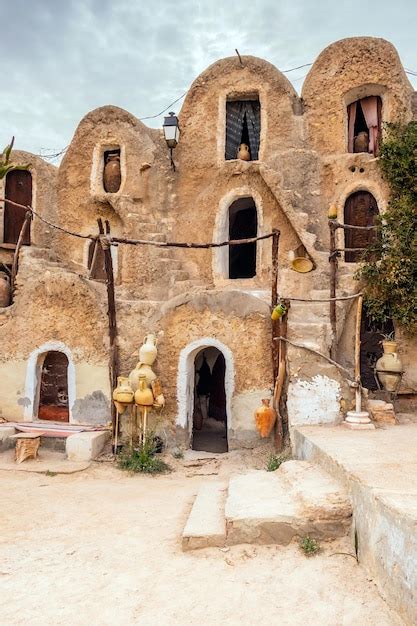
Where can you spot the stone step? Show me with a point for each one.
(206, 526)
(297, 500)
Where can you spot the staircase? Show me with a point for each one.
(298, 500)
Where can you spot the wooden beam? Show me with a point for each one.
(111, 313)
(15, 265)
(333, 280)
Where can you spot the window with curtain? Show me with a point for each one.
(364, 125)
(243, 126)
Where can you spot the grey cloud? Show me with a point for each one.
(65, 58)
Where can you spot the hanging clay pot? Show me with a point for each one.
(389, 362)
(265, 417)
(143, 395)
(144, 370)
(361, 142)
(112, 176)
(278, 312)
(5, 291)
(123, 393)
(243, 152)
(332, 212)
(148, 350)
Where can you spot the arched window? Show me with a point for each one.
(18, 189)
(364, 125)
(360, 210)
(243, 224)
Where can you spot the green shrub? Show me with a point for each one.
(309, 546)
(142, 459)
(389, 270)
(275, 460)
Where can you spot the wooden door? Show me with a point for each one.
(360, 210)
(18, 189)
(53, 400)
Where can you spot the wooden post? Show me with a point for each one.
(358, 352)
(20, 239)
(111, 313)
(274, 302)
(333, 279)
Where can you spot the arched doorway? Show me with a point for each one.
(209, 431)
(53, 388)
(243, 224)
(18, 189)
(360, 210)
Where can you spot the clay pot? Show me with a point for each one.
(148, 351)
(5, 291)
(389, 362)
(243, 152)
(141, 370)
(361, 142)
(332, 213)
(278, 312)
(143, 395)
(112, 176)
(265, 417)
(123, 394)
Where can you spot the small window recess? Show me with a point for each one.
(112, 172)
(243, 128)
(243, 224)
(364, 125)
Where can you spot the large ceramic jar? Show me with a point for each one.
(148, 350)
(389, 362)
(123, 393)
(143, 395)
(265, 417)
(141, 370)
(5, 291)
(112, 176)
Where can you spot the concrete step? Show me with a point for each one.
(297, 500)
(206, 526)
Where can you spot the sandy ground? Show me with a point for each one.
(103, 548)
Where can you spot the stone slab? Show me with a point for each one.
(295, 501)
(206, 526)
(379, 468)
(86, 446)
(47, 462)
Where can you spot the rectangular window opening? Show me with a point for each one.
(243, 129)
(364, 125)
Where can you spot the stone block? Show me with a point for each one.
(206, 526)
(382, 412)
(6, 432)
(86, 446)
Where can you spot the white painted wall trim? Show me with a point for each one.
(220, 259)
(33, 377)
(185, 380)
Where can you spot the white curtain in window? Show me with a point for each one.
(351, 125)
(370, 112)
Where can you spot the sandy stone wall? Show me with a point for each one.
(185, 296)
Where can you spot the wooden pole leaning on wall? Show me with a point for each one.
(333, 280)
(15, 265)
(358, 353)
(111, 313)
(278, 371)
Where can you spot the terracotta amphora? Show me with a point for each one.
(112, 176)
(243, 152)
(389, 362)
(143, 395)
(148, 350)
(265, 417)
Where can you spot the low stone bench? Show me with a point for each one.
(86, 446)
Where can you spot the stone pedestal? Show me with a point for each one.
(358, 420)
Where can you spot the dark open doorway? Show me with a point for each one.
(372, 334)
(210, 413)
(243, 223)
(53, 395)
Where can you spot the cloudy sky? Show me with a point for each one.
(63, 58)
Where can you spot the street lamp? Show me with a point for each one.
(171, 133)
